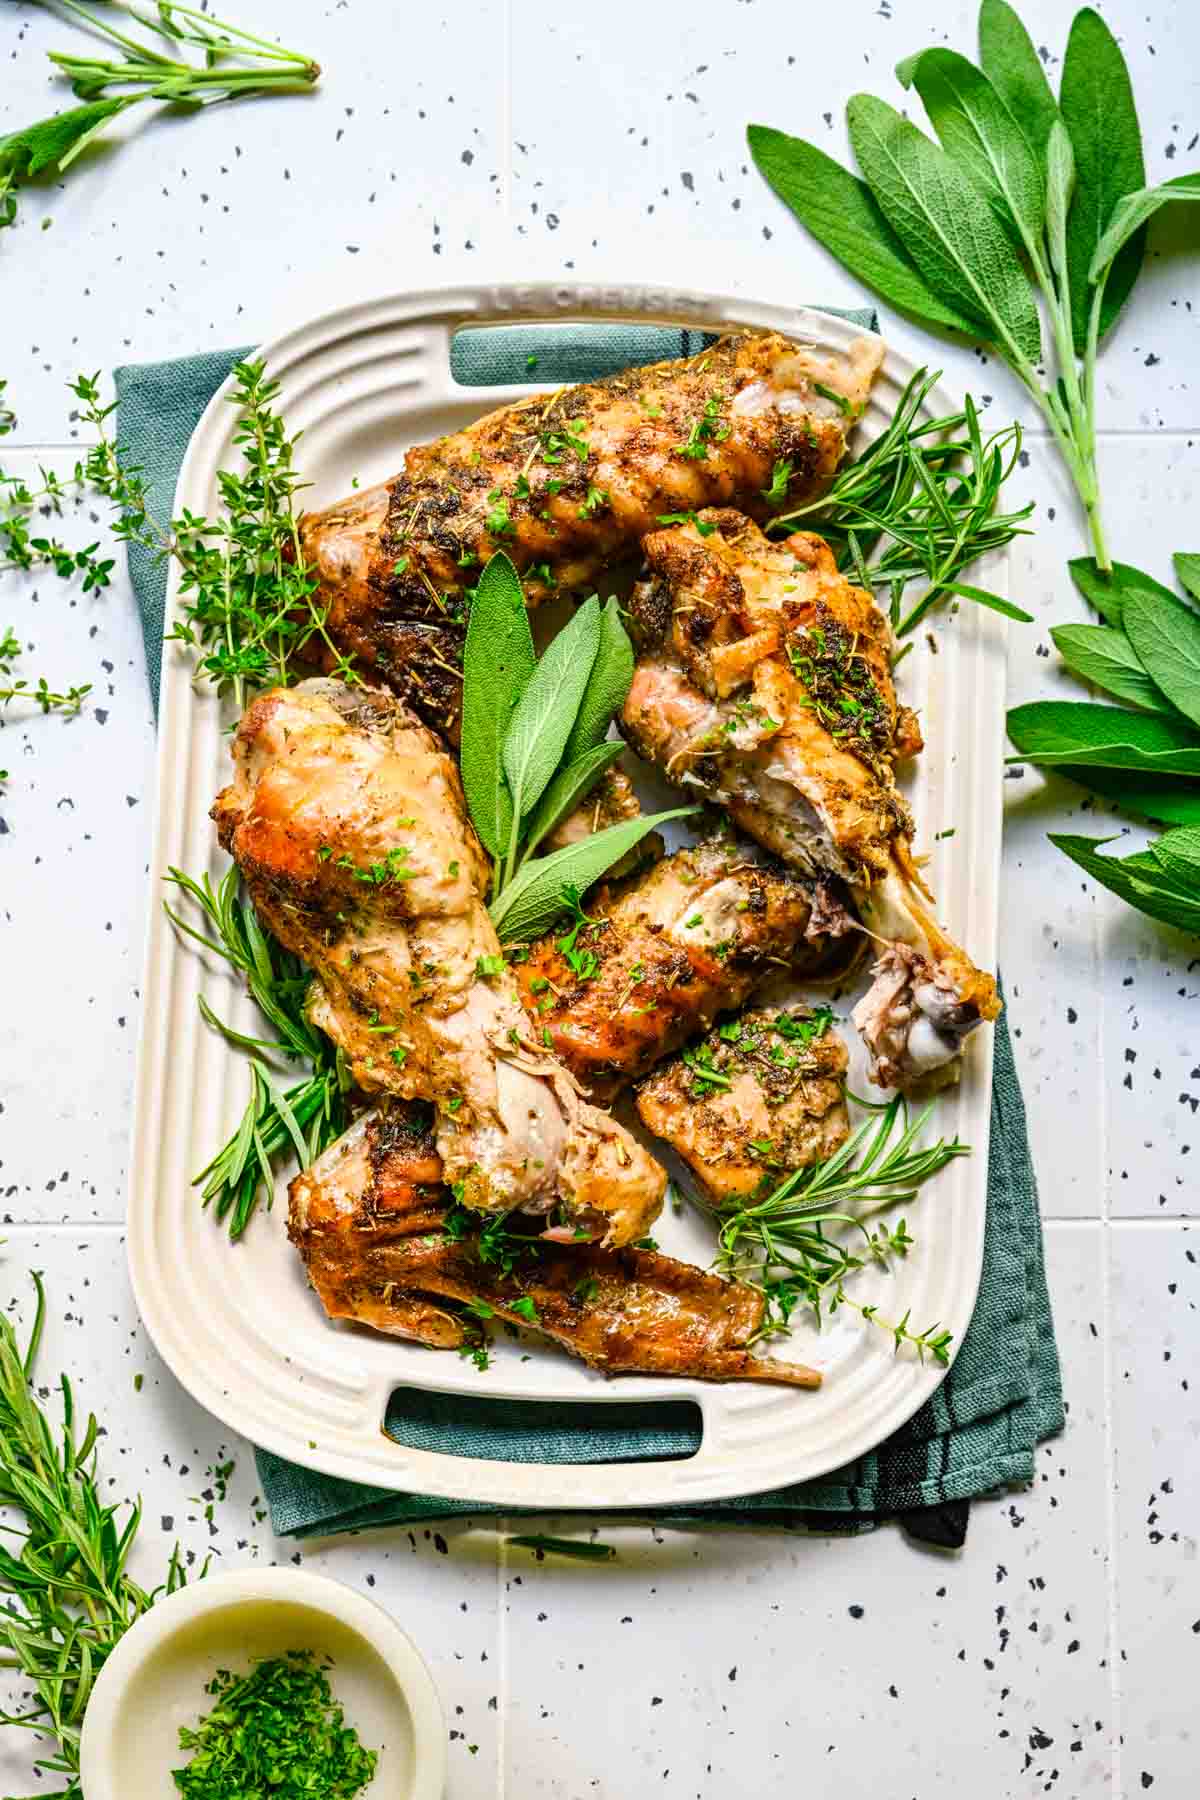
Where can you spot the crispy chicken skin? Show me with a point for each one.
(347, 822)
(360, 1220)
(567, 484)
(667, 951)
(764, 681)
(760, 1097)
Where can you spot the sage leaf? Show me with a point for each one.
(842, 213)
(546, 710)
(568, 788)
(1086, 733)
(976, 129)
(1172, 802)
(1166, 635)
(1014, 68)
(1131, 213)
(532, 902)
(993, 602)
(1108, 593)
(56, 142)
(1097, 104)
(608, 685)
(1178, 853)
(498, 660)
(1106, 657)
(1060, 186)
(1131, 881)
(946, 225)
(1187, 567)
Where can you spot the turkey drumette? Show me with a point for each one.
(347, 822)
(764, 681)
(567, 484)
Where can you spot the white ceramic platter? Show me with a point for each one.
(237, 1323)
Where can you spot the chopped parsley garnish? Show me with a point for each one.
(706, 1076)
(585, 1290)
(596, 498)
(705, 430)
(488, 967)
(399, 566)
(497, 521)
(525, 1308)
(776, 494)
(278, 1728)
(687, 518)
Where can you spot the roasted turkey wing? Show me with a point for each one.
(361, 1220)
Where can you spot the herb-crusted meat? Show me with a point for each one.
(761, 1096)
(764, 680)
(346, 819)
(566, 484)
(360, 1218)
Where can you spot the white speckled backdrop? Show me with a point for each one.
(1058, 1653)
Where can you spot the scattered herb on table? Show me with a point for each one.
(1025, 204)
(1143, 753)
(543, 1546)
(924, 495)
(40, 693)
(782, 1243)
(277, 1730)
(236, 65)
(534, 743)
(70, 1596)
(305, 1117)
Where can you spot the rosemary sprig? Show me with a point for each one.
(305, 1117)
(70, 1594)
(781, 1243)
(927, 490)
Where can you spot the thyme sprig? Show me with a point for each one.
(305, 1117)
(41, 693)
(782, 1243)
(70, 1596)
(924, 495)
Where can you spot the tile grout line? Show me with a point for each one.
(502, 1656)
(1109, 1381)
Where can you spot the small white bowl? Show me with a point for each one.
(154, 1681)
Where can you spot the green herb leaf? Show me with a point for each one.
(843, 214)
(568, 788)
(530, 904)
(1170, 802)
(548, 707)
(1101, 655)
(994, 602)
(607, 687)
(1132, 212)
(1187, 567)
(55, 142)
(976, 129)
(1083, 732)
(1166, 636)
(1108, 593)
(1098, 110)
(1133, 880)
(553, 1546)
(1178, 852)
(945, 224)
(498, 661)
(1014, 68)
(1060, 188)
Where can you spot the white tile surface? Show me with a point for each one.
(497, 139)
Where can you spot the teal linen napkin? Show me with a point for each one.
(1002, 1396)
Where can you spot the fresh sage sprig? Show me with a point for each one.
(1144, 753)
(534, 742)
(70, 1597)
(784, 1242)
(235, 64)
(927, 491)
(1026, 204)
